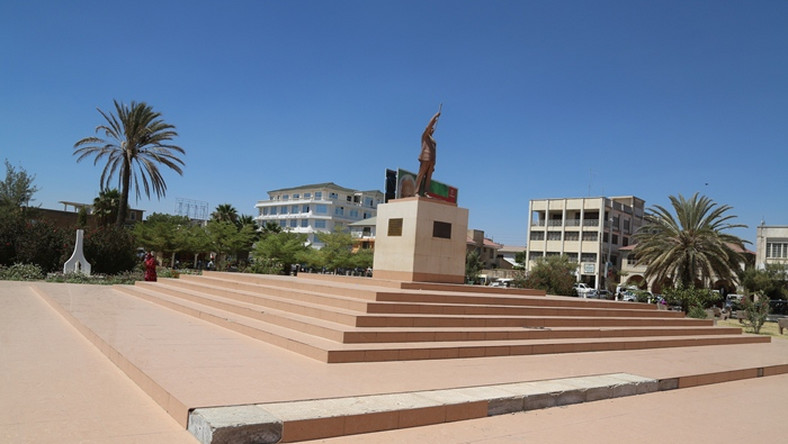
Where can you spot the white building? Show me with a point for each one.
(588, 230)
(771, 245)
(317, 208)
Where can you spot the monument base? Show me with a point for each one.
(421, 240)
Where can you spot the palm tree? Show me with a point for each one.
(105, 206)
(691, 247)
(225, 213)
(137, 142)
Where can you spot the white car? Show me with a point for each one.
(583, 290)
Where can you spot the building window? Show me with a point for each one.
(354, 214)
(615, 239)
(320, 223)
(535, 255)
(294, 209)
(273, 211)
(554, 235)
(321, 209)
(304, 223)
(366, 231)
(285, 196)
(572, 236)
(283, 223)
(590, 236)
(296, 196)
(537, 235)
(350, 198)
(305, 209)
(293, 223)
(777, 250)
(283, 209)
(333, 196)
(588, 257)
(307, 195)
(339, 211)
(264, 211)
(626, 241)
(441, 230)
(318, 195)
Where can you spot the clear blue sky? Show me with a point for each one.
(541, 99)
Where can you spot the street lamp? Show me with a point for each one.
(609, 247)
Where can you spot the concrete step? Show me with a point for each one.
(321, 340)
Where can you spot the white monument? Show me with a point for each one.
(77, 263)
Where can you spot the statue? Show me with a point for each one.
(427, 156)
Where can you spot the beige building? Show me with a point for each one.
(771, 245)
(588, 230)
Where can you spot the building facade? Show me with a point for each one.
(771, 245)
(317, 208)
(589, 231)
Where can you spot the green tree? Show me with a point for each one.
(553, 274)
(105, 206)
(164, 233)
(473, 266)
(228, 240)
(692, 246)
(17, 189)
(280, 250)
(769, 281)
(137, 142)
(225, 213)
(336, 250)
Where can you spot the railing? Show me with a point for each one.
(590, 222)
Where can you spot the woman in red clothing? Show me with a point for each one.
(150, 267)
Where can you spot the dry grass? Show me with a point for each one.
(769, 328)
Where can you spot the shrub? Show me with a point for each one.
(110, 250)
(756, 312)
(697, 312)
(691, 297)
(21, 272)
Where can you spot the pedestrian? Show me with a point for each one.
(150, 267)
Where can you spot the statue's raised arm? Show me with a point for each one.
(427, 157)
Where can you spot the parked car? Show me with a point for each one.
(582, 289)
(604, 294)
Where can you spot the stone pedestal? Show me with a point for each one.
(421, 240)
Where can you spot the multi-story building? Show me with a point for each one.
(588, 230)
(312, 209)
(771, 245)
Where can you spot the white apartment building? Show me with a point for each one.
(312, 209)
(589, 230)
(771, 245)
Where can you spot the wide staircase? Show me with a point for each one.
(338, 319)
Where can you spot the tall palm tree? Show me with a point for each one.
(137, 142)
(225, 213)
(692, 246)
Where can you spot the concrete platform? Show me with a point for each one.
(187, 365)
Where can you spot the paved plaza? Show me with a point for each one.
(58, 387)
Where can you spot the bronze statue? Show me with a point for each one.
(427, 157)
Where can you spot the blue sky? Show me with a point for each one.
(541, 99)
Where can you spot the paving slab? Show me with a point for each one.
(56, 387)
(198, 365)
